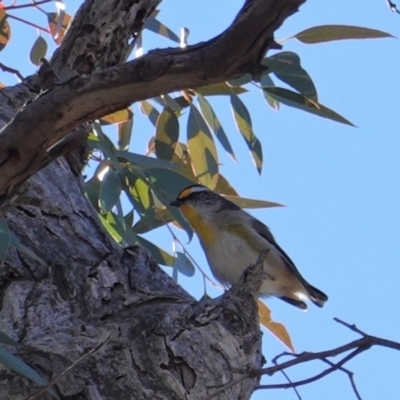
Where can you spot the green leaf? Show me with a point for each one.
(183, 264)
(161, 217)
(327, 33)
(296, 100)
(252, 203)
(16, 364)
(217, 89)
(110, 190)
(171, 103)
(144, 162)
(125, 134)
(166, 186)
(4, 239)
(213, 121)
(202, 149)
(182, 102)
(156, 26)
(266, 81)
(243, 124)
(100, 141)
(14, 241)
(167, 134)
(129, 218)
(147, 109)
(286, 67)
(247, 78)
(92, 190)
(160, 255)
(5, 339)
(112, 226)
(38, 51)
(142, 196)
(224, 187)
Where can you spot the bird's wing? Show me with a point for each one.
(264, 232)
(318, 297)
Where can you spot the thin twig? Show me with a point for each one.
(350, 375)
(33, 4)
(352, 327)
(290, 381)
(28, 23)
(18, 74)
(314, 378)
(39, 392)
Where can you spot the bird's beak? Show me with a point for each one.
(176, 203)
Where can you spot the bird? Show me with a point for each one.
(232, 240)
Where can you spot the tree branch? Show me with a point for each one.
(358, 346)
(27, 140)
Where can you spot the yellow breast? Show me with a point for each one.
(206, 232)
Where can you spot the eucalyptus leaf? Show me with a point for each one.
(183, 264)
(5, 339)
(125, 134)
(167, 134)
(327, 33)
(147, 109)
(202, 150)
(38, 51)
(243, 123)
(110, 190)
(296, 100)
(266, 81)
(252, 203)
(213, 122)
(287, 67)
(16, 364)
(219, 89)
(160, 255)
(152, 24)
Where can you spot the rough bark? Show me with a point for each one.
(163, 343)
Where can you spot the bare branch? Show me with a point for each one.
(27, 5)
(26, 140)
(357, 347)
(350, 375)
(5, 68)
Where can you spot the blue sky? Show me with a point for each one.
(340, 185)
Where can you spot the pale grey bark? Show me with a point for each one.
(164, 344)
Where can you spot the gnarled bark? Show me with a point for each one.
(163, 343)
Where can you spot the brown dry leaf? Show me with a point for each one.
(58, 32)
(5, 31)
(276, 328)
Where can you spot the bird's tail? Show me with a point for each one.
(317, 296)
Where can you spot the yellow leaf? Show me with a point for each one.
(251, 203)
(276, 328)
(118, 117)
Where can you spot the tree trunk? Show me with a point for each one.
(159, 342)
